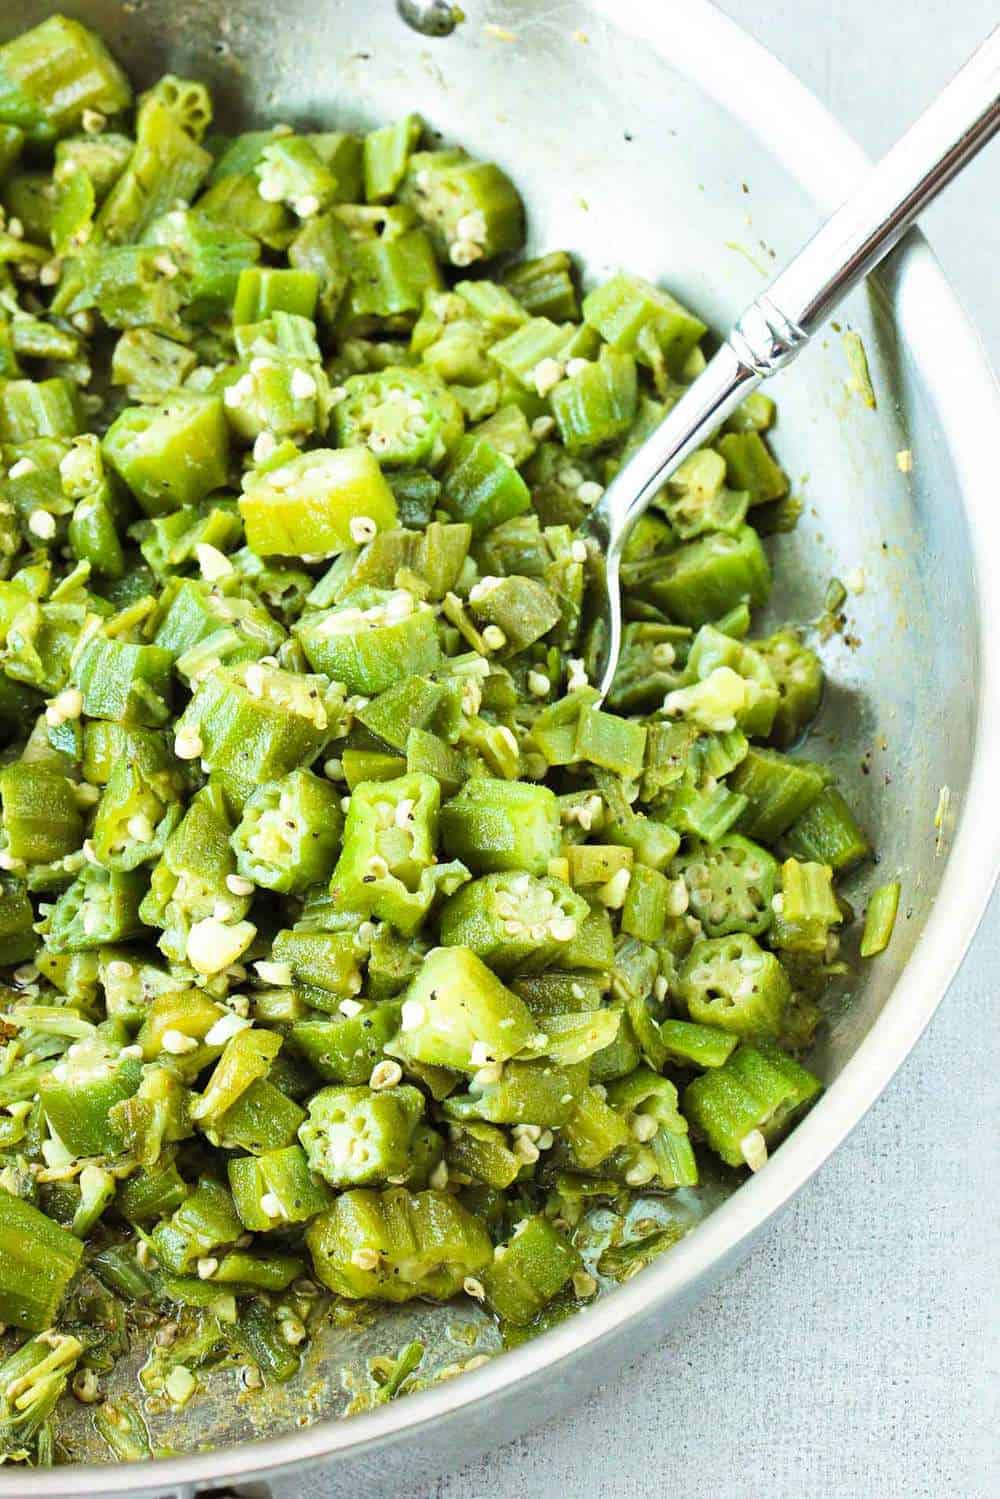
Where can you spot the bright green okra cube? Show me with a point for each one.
(395, 1245)
(513, 921)
(305, 505)
(172, 454)
(502, 825)
(275, 1189)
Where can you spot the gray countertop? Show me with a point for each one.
(857, 1353)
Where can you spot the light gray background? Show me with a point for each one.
(857, 1354)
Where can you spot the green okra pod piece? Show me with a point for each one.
(171, 454)
(304, 506)
(690, 1045)
(121, 1425)
(828, 833)
(276, 1188)
(359, 1136)
(633, 315)
(288, 836)
(798, 673)
(407, 417)
(79, 1092)
(748, 1103)
(594, 1130)
(730, 884)
(529, 1270)
(545, 286)
(345, 1048)
(258, 1335)
(880, 918)
(471, 208)
(386, 154)
(482, 1152)
(596, 405)
(153, 1192)
(662, 1151)
(246, 1057)
(52, 74)
(205, 1221)
(372, 640)
(495, 825)
(480, 486)
(513, 921)
(387, 867)
(394, 1245)
(261, 1119)
(40, 819)
(806, 909)
(778, 791)
(522, 609)
(705, 578)
(325, 963)
(750, 467)
(38, 1259)
(100, 906)
(251, 724)
(733, 983)
(403, 709)
(540, 1092)
(456, 1013)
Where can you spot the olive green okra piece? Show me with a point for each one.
(276, 1188)
(305, 504)
(38, 1259)
(40, 819)
(529, 1270)
(288, 836)
(372, 640)
(394, 1245)
(345, 1048)
(735, 984)
(171, 454)
(80, 1091)
(495, 825)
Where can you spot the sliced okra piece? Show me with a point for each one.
(778, 791)
(357, 1136)
(275, 1189)
(471, 208)
(304, 506)
(395, 1245)
(456, 1013)
(828, 833)
(40, 819)
(372, 640)
(513, 921)
(730, 884)
(748, 1103)
(529, 1270)
(733, 983)
(407, 417)
(288, 836)
(346, 1048)
(807, 909)
(205, 1221)
(495, 825)
(81, 1089)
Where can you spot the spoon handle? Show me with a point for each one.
(777, 326)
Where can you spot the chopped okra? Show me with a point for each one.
(346, 930)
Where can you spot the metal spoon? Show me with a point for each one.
(778, 325)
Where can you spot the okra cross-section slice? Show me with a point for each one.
(513, 921)
(189, 897)
(387, 865)
(532, 1267)
(289, 833)
(276, 1189)
(251, 724)
(172, 454)
(38, 1259)
(81, 1089)
(372, 640)
(136, 814)
(828, 833)
(730, 885)
(458, 1014)
(395, 1245)
(733, 983)
(407, 417)
(798, 673)
(497, 825)
(305, 505)
(748, 1103)
(356, 1137)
